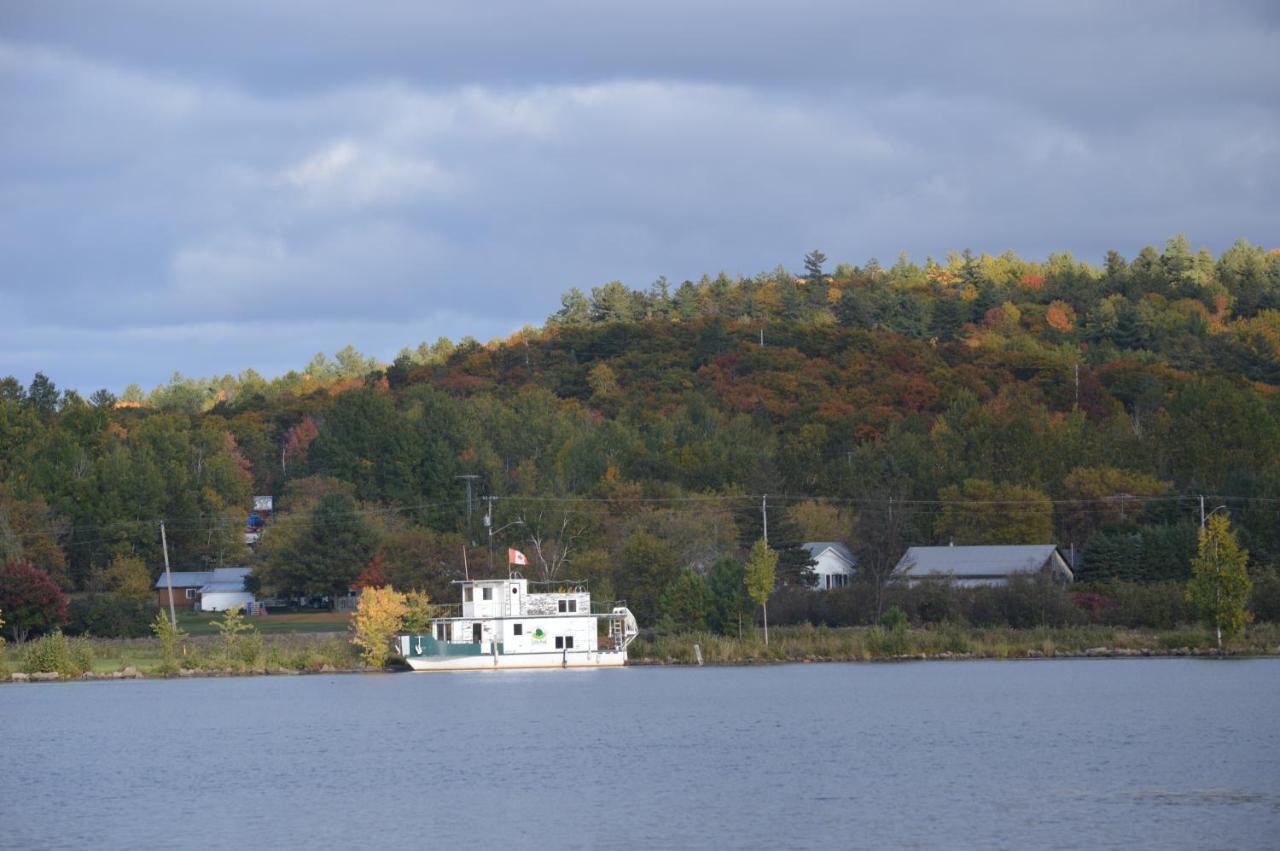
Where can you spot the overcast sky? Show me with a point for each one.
(208, 187)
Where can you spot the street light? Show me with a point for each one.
(1204, 518)
(488, 522)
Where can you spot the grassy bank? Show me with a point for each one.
(199, 655)
(859, 644)
(292, 653)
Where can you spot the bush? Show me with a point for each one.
(1156, 605)
(55, 653)
(31, 601)
(110, 616)
(1265, 600)
(894, 619)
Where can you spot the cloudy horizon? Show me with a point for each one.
(212, 188)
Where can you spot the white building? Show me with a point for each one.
(832, 564)
(207, 590)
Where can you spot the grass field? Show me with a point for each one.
(202, 623)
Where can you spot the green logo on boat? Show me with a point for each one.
(539, 635)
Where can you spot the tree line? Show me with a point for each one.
(984, 399)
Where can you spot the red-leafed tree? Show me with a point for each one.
(374, 574)
(30, 600)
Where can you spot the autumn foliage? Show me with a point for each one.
(30, 600)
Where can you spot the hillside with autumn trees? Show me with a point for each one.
(632, 439)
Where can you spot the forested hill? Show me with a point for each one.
(984, 399)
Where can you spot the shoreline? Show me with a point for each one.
(134, 673)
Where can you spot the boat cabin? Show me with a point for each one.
(505, 612)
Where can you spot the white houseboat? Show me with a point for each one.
(504, 625)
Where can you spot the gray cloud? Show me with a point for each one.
(259, 183)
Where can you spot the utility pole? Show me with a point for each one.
(488, 524)
(764, 515)
(168, 577)
(468, 479)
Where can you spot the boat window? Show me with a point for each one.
(568, 605)
(487, 592)
(568, 642)
(559, 642)
(517, 629)
(515, 589)
(466, 594)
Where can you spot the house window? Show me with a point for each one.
(568, 605)
(487, 593)
(191, 593)
(442, 632)
(517, 629)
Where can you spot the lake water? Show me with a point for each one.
(1166, 753)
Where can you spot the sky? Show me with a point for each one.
(209, 187)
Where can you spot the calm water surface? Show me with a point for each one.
(1046, 754)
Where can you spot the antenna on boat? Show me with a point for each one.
(466, 571)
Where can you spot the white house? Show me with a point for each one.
(832, 564)
(207, 590)
(983, 565)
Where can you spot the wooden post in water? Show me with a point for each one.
(697, 654)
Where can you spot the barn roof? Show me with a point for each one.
(976, 561)
(203, 578)
(185, 579)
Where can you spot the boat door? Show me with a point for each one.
(477, 632)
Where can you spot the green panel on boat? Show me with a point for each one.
(425, 645)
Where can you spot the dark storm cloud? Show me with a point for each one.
(242, 184)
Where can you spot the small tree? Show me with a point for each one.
(379, 616)
(1220, 586)
(762, 569)
(128, 576)
(32, 601)
(686, 604)
(231, 628)
(418, 612)
(170, 636)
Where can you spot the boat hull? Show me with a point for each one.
(495, 662)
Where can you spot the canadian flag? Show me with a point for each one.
(516, 557)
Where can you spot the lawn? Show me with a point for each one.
(201, 623)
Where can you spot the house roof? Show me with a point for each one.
(185, 579)
(235, 587)
(817, 548)
(976, 561)
(203, 578)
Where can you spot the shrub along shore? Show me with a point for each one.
(871, 644)
(59, 657)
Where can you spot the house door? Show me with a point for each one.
(476, 632)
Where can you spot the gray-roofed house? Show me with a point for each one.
(982, 565)
(206, 590)
(832, 564)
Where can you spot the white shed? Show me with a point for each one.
(832, 564)
(225, 590)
